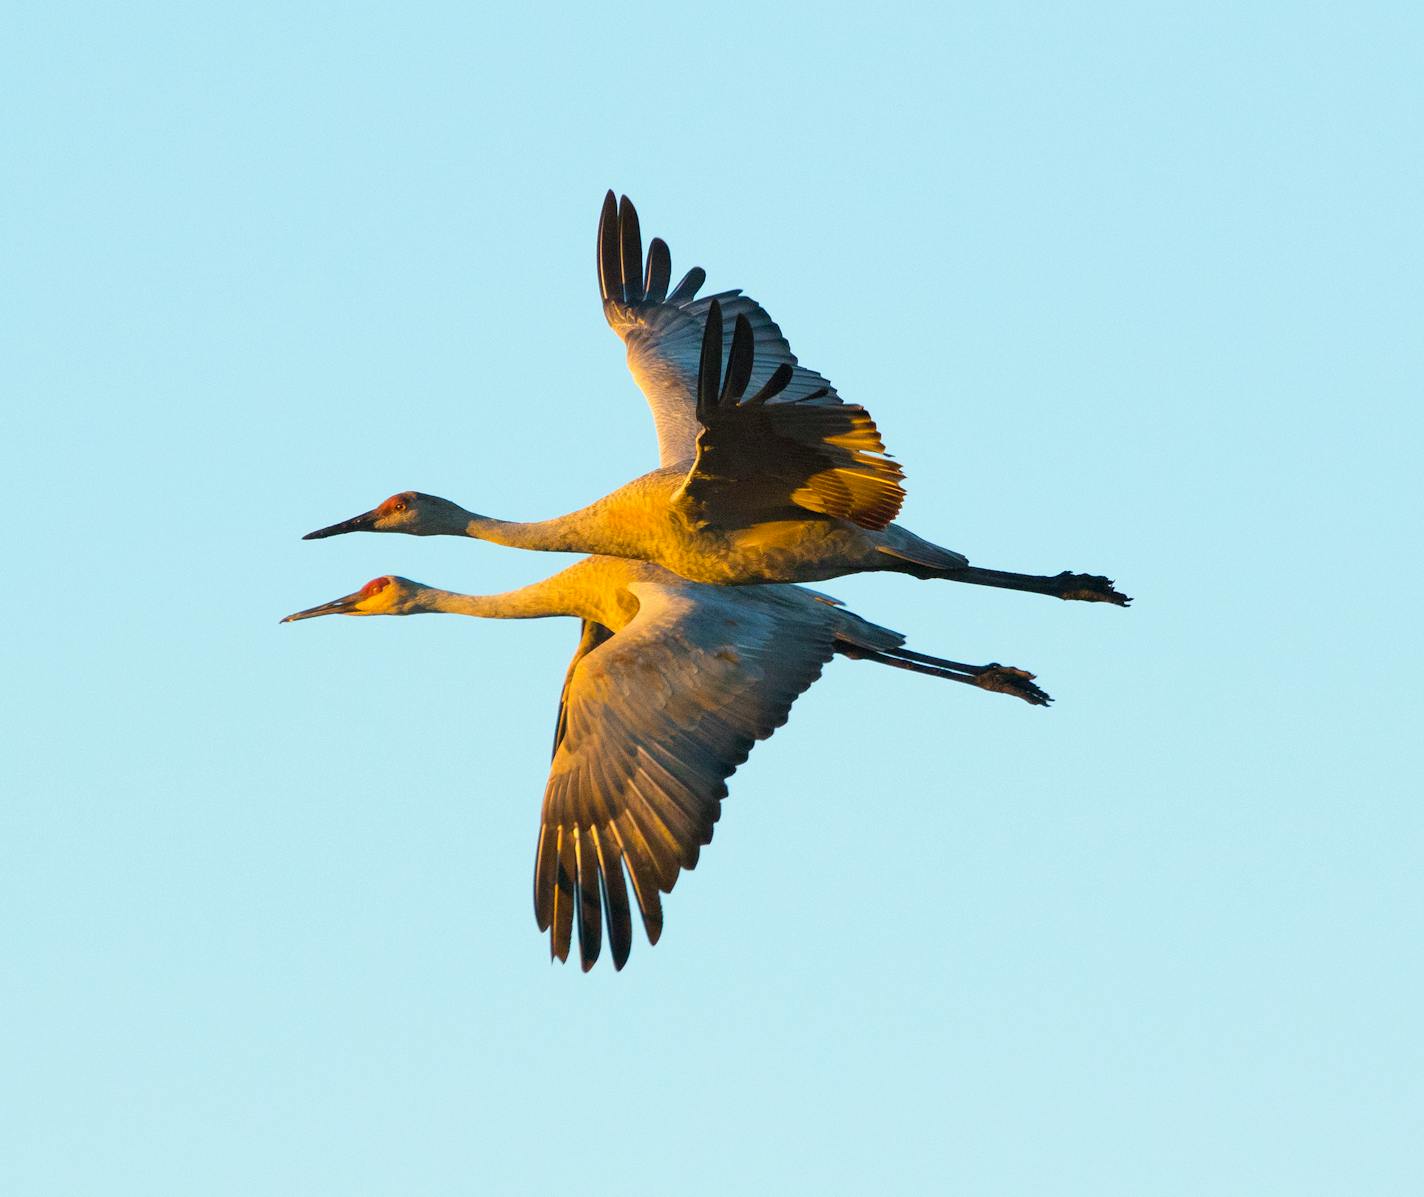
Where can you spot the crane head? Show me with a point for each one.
(410, 511)
(388, 595)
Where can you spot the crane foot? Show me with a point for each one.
(1087, 588)
(1005, 679)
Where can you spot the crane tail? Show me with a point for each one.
(920, 557)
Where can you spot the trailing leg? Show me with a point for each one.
(1083, 588)
(1001, 679)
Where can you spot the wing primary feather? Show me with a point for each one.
(709, 367)
(641, 872)
(688, 288)
(778, 382)
(590, 910)
(610, 284)
(664, 848)
(545, 862)
(615, 895)
(630, 241)
(655, 284)
(561, 930)
(739, 362)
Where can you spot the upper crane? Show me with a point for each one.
(766, 475)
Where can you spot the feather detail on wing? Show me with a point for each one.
(653, 721)
(592, 635)
(664, 332)
(757, 458)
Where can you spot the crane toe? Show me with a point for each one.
(1005, 679)
(1088, 588)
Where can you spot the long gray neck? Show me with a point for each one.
(617, 525)
(539, 601)
(566, 534)
(594, 588)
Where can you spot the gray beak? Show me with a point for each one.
(358, 523)
(341, 606)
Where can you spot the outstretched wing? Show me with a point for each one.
(654, 721)
(758, 459)
(591, 636)
(663, 330)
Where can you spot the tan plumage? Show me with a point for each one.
(798, 441)
(672, 684)
(766, 475)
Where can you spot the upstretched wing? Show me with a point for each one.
(759, 459)
(654, 721)
(663, 330)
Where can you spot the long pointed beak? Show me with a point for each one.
(341, 606)
(358, 523)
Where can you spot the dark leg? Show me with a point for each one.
(1084, 588)
(1001, 679)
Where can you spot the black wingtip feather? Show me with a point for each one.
(544, 864)
(780, 379)
(709, 367)
(630, 242)
(739, 362)
(614, 891)
(590, 909)
(642, 874)
(689, 286)
(655, 284)
(565, 885)
(610, 284)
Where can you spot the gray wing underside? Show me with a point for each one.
(664, 346)
(591, 635)
(654, 721)
(663, 328)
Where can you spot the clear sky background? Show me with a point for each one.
(1130, 292)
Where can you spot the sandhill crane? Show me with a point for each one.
(671, 685)
(788, 484)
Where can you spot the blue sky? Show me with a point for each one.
(1127, 291)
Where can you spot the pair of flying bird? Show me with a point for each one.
(695, 642)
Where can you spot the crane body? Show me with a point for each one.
(695, 639)
(643, 521)
(672, 684)
(765, 473)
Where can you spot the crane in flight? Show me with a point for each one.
(671, 685)
(765, 474)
